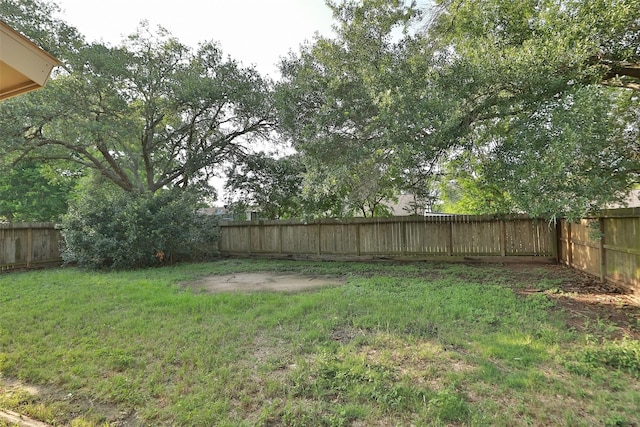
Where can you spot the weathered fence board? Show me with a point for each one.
(607, 247)
(446, 236)
(28, 244)
(614, 257)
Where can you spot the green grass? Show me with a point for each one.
(397, 344)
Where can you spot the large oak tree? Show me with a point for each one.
(148, 122)
(547, 106)
(356, 107)
(148, 114)
(532, 104)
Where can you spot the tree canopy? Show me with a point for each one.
(272, 185)
(548, 100)
(355, 106)
(531, 105)
(34, 192)
(148, 114)
(493, 106)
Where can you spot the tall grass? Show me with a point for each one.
(419, 343)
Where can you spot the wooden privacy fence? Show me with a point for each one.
(28, 244)
(607, 247)
(432, 237)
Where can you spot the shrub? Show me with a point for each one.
(109, 228)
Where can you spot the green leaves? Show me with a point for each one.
(149, 114)
(349, 103)
(32, 192)
(272, 186)
(107, 227)
(535, 124)
(500, 101)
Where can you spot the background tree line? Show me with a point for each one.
(475, 106)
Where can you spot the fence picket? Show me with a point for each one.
(450, 236)
(28, 244)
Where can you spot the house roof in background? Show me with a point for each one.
(632, 200)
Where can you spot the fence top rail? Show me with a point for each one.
(620, 213)
(27, 225)
(444, 218)
(610, 213)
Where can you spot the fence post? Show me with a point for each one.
(569, 244)
(29, 246)
(403, 230)
(603, 252)
(556, 241)
(450, 237)
(503, 238)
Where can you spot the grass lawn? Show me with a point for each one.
(396, 344)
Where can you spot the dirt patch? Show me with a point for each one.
(613, 314)
(253, 282)
(587, 301)
(67, 406)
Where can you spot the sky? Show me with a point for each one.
(254, 32)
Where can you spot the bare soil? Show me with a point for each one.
(252, 282)
(587, 301)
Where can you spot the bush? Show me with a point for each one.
(109, 228)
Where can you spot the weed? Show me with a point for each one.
(448, 406)
(600, 329)
(622, 355)
(617, 420)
